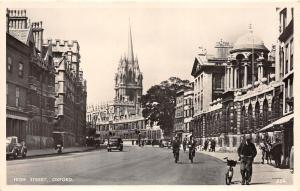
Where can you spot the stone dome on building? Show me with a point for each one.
(248, 41)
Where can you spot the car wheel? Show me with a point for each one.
(24, 154)
(15, 154)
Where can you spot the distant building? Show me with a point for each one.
(71, 91)
(188, 110)
(123, 116)
(183, 112)
(30, 75)
(179, 113)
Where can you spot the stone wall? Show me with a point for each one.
(38, 142)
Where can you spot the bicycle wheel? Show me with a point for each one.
(227, 179)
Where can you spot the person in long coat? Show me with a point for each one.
(276, 152)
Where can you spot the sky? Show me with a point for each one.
(165, 39)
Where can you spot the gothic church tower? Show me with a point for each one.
(129, 79)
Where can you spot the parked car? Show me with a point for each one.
(164, 143)
(14, 148)
(115, 143)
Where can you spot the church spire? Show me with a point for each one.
(130, 47)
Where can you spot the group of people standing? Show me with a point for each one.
(210, 145)
(271, 151)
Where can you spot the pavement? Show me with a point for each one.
(52, 151)
(262, 173)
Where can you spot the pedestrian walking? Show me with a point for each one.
(247, 153)
(292, 160)
(213, 145)
(176, 148)
(209, 145)
(184, 143)
(205, 145)
(265, 148)
(276, 152)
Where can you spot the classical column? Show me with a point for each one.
(262, 71)
(245, 75)
(227, 77)
(258, 73)
(235, 78)
(231, 77)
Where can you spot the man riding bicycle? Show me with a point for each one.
(192, 148)
(176, 148)
(184, 143)
(247, 153)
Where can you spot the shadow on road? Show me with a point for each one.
(257, 183)
(254, 183)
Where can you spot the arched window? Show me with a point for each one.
(227, 119)
(243, 120)
(217, 124)
(274, 112)
(250, 119)
(129, 76)
(257, 118)
(265, 113)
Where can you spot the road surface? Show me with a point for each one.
(133, 166)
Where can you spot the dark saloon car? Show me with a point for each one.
(14, 148)
(115, 143)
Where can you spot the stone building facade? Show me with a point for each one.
(188, 110)
(285, 73)
(71, 91)
(183, 112)
(250, 98)
(34, 71)
(209, 73)
(30, 79)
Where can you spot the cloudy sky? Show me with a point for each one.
(165, 37)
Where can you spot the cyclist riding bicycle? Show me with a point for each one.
(192, 148)
(176, 148)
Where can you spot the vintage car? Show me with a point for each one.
(164, 143)
(115, 143)
(14, 148)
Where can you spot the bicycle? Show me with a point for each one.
(229, 173)
(191, 154)
(176, 155)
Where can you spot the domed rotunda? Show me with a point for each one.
(247, 63)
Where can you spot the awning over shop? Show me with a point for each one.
(276, 124)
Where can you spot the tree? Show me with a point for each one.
(159, 102)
